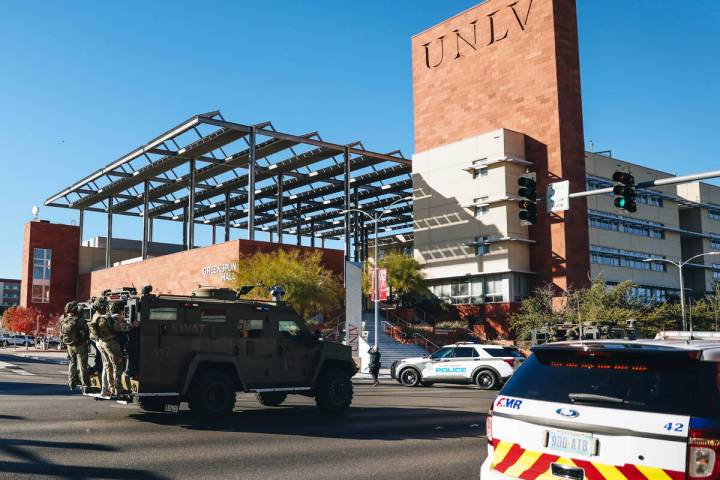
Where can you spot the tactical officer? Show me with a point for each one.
(75, 334)
(99, 307)
(108, 326)
(374, 365)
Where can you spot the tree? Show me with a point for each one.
(25, 320)
(404, 276)
(309, 287)
(537, 311)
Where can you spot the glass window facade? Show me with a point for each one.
(616, 257)
(493, 288)
(714, 213)
(618, 223)
(716, 271)
(643, 197)
(481, 246)
(715, 243)
(481, 211)
(42, 262)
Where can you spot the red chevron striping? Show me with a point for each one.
(540, 466)
(512, 456)
(631, 472)
(675, 475)
(591, 473)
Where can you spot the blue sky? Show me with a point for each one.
(82, 83)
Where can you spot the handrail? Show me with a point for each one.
(426, 340)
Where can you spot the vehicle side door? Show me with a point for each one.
(462, 363)
(255, 342)
(296, 351)
(436, 366)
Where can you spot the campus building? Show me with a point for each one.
(496, 92)
(9, 293)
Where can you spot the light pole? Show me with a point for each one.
(375, 219)
(680, 266)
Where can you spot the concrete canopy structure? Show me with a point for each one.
(209, 171)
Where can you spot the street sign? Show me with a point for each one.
(557, 197)
(382, 285)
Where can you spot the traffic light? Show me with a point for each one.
(624, 191)
(528, 200)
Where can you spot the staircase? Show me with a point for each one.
(390, 349)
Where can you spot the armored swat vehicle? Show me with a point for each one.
(205, 347)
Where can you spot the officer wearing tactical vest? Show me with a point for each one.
(75, 335)
(104, 327)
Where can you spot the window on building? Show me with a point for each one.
(483, 172)
(163, 314)
(609, 221)
(481, 246)
(481, 211)
(520, 287)
(714, 213)
(715, 243)
(40, 287)
(616, 257)
(716, 271)
(494, 289)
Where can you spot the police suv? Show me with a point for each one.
(646, 409)
(487, 366)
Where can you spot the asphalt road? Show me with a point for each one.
(391, 432)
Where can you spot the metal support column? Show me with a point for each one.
(251, 186)
(146, 216)
(280, 208)
(227, 216)
(346, 203)
(298, 223)
(366, 233)
(108, 239)
(214, 233)
(312, 232)
(355, 221)
(81, 223)
(150, 229)
(185, 228)
(191, 207)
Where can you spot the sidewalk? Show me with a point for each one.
(58, 357)
(367, 378)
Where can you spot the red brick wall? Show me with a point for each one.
(64, 241)
(521, 73)
(181, 273)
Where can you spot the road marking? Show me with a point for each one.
(14, 369)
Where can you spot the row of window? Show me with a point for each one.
(486, 289)
(616, 257)
(10, 286)
(42, 260)
(618, 223)
(250, 328)
(715, 243)
(714, 213)
(646, 198)
(716, 271)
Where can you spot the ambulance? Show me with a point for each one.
(610, 410)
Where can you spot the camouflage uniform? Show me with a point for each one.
(75, 335)
(107, 327)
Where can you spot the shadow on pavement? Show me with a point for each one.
(382, 423)
(11, 417)
(29, 463)
(26, 388)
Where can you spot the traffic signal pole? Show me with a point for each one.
(653, 183)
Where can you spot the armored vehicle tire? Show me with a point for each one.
(270, 399)
(410, 377)
(427, 384)
(152, 404)
(212, 395)
(486, 379)
(334, 391)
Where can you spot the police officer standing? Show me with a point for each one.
(374, 365)
(75, 334)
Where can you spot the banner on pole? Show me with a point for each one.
(382, 285)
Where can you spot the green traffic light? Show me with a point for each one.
(622, 202)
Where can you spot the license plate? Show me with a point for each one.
(169, 407)
(571, 442)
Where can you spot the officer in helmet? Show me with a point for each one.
(74, 333)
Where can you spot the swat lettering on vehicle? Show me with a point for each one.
(508, 403)
(450, 370)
